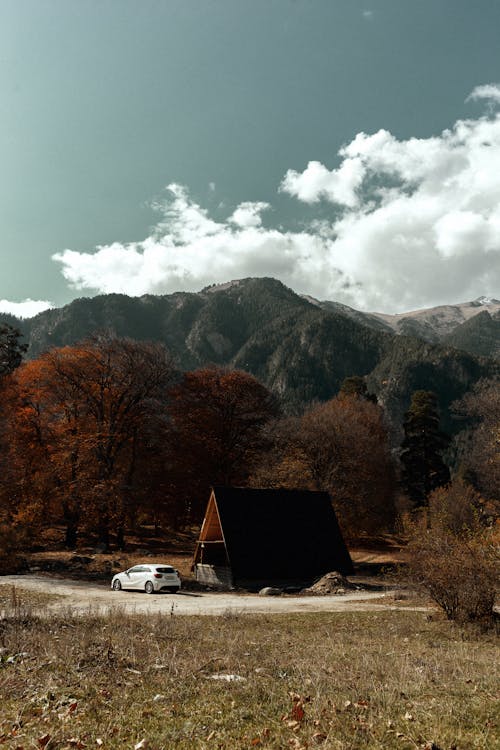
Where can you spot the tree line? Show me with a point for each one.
(107, 435)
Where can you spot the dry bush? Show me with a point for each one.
(452, 555)
(459, 574)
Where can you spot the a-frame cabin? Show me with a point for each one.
(258, 537)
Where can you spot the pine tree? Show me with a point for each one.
(422, 448)
(11, 349)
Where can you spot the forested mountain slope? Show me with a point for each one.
(300, 348)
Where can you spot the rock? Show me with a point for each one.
(270, 591)
(330, 583)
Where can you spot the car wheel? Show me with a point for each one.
(174, 589)
(149, 588)
(117, 585)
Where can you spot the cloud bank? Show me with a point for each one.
(26, 309)
(412, 223)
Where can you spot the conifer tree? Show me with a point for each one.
(11, 349)
(422, 448)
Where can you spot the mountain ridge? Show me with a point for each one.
(299, 347)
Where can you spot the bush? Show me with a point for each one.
(452, 555)
(459, 574)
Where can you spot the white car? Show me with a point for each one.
(149, 578)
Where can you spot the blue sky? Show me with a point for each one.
(167, 144)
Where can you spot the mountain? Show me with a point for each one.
(299, 347)
(471, 326)
(479, 335)
(438, 323)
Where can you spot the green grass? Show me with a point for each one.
(343, 681)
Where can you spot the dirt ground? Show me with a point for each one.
(82, 596)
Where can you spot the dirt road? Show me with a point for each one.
(81, 596)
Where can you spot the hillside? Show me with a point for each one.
(440, 323)
(300, 348)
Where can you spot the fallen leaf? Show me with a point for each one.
(44, 740)
(141, 745)
(297, 713)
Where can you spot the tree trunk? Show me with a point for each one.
(71, 536)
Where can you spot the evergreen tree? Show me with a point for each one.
(11, 350)
(356, 386)
(422, 448)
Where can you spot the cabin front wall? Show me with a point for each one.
(214, 575)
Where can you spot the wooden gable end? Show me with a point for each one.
(211, 530)
(211, 545)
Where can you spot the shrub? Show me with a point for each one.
(452, 556)
(459, 574)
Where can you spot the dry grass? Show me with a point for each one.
(343, 681)
(14, 598)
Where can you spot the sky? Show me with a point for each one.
(349, 148)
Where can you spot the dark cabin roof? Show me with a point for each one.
(280, 534)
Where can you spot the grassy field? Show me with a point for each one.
(378, 680)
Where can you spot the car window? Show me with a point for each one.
(165, 569)
(135, 569)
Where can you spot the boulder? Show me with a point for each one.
(330, 583)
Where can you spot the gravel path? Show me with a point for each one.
(82, 596)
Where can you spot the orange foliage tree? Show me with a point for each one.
(482, 460)
(78, 420)
(340, 447)
(218, 422)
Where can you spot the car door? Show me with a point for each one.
(132, 578)
(144, 575)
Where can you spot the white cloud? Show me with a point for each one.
(188, 250)
(413, 222)
(248, 214)
(26, 309)
(368, 14)
(488, 91)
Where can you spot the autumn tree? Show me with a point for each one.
(482, 459)
(218, 420)
(78, 426)
(340, 447)
(421, 456)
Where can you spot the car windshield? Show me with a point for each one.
(165, 569)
